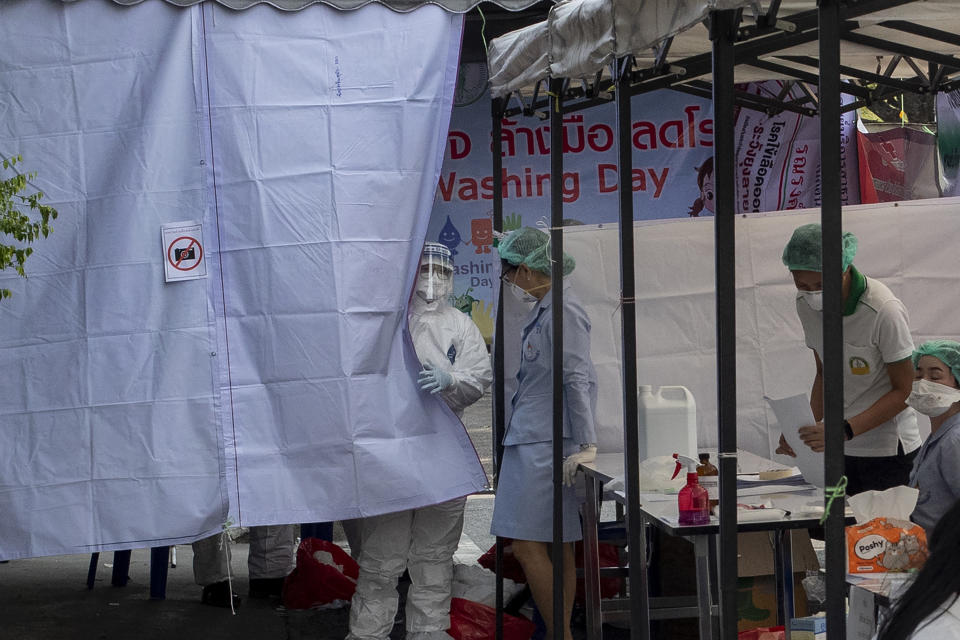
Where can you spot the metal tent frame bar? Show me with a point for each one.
(732, 44)
(756, 45)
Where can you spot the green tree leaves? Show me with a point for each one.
(18, 218)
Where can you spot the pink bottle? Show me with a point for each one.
(693, 500)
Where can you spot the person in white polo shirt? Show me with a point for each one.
(880, 430)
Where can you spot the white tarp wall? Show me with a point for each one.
(130, 408)
(109, 430)
(901, 244)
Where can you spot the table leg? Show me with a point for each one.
(783, 562)
(158, 572)
(591, 559)
(701, 550)
(715, 579)
(121, 568)
(640, 593)
(92, 570)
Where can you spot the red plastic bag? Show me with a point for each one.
(471, 620)
(609, 557)
(608, 554)
(511, 566)
(765, 633)
(324, 573)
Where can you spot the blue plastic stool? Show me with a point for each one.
(121, 569)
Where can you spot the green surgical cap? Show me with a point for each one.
(531, 247)
(946, 351)
(803, 252)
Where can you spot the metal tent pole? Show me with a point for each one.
(556, 308)
(499, 411)
(832, 221)
(637, 571)
(723, 25)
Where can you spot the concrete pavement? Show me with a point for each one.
(47, 599)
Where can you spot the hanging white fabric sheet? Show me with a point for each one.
(109, 435)
(309, 145)
(328, 132)
(901, 244)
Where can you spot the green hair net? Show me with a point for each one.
(531, 247)
(946, 351)
(803, 252)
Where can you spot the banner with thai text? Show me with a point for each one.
(897, 162)
(778, 156)
(671, 138)
(948, 142)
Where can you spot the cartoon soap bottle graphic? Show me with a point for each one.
(449, 237)
(481, 234)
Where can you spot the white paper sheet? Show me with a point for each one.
(770, 488)
(861, 620)
(792, 413)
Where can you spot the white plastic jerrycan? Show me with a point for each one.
(667, 419)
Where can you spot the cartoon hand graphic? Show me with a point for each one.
(511, 222)
(482, 314)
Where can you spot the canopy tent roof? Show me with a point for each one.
(898, 44)
(455, 6)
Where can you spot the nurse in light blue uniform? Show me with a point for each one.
(523, 509)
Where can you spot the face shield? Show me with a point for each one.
(435, 277)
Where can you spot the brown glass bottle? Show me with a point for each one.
(709, 477)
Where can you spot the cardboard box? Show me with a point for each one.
(674, 575)
(757, 601)
(756, 585)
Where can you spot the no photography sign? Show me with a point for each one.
(183, 252)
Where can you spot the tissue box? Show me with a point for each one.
(813, 624)
(885, 545)
(809, 628)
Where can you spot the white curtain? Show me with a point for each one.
(308, 144)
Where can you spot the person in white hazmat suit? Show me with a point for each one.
(269, 561)
(456, 367)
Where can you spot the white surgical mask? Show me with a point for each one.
(932, 398)
(814, 299)
(521, 296)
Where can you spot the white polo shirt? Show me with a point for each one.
(877, 333)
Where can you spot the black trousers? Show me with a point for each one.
(877, 474)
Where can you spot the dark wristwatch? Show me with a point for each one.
(847, 430)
